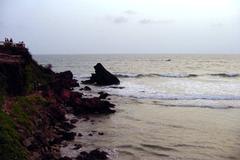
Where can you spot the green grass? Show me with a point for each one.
(22, 110)
(24, 107)
(10, 147)
(34, 74)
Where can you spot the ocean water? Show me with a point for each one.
(168, 106)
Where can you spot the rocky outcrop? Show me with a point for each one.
(88, 105)
(103, 95)
(93, 155)
(32, 121)
(102, 77)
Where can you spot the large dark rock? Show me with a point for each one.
(103, 95)
(93, 155)
(68, 136)
(91, 106)
(65, 75)
(102, 77)
(56, 113)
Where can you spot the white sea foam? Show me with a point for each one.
(174, 75)
(146, 92)
(171, 75)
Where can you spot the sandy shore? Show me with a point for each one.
(144, 130)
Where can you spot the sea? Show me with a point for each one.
(168, 107)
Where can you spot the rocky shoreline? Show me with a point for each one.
(34, 103)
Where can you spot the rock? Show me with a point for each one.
(56, 140)
(28, 142)
(168, 60)
(102, 77)
(65, 158)
(66, 95)
(90, 134)
(66, 126)
(68, 136)
(62, 80)
(73, 121)
(86, 88)
(93, 106)
(103, 95)
(47, 156)
(56, 113)
(80, 135)
(35, 155)
(86, 119)
(93, 155)
(100, 133)
(115, 87)
(77, 146)
(65, 75)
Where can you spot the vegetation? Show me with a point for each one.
(35, 74)
(18, 80)
(21, 113)
(10, 147)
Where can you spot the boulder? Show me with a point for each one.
(63, 80)
(103, 95)
(102, 77)
(86, 88)
(68, 136)
(93, 155)
(73, 121)
(65, 158)
(77, 146)
(65, 75)
(92, 106)
(56, 113)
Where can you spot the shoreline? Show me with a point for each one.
(142, 130)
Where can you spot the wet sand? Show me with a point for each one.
(145, 130)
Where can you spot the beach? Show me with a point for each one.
(159, 132)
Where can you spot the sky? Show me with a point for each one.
(123, 26)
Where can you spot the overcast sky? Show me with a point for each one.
(123, 26)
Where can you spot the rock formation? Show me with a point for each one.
(102, 77)
(33, 104)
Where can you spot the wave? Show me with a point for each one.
(158, 147)
(175, 75)
(160, 96)
(170, 75)
(225, 74)
(140, 91)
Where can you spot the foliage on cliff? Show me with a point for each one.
(10, 147)
(20, 74)
(19, 77)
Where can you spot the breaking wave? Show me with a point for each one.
(226, 74)
(175, 75)
(171, 75)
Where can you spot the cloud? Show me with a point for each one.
(120, 19)
(151, 21)
(130, 12)
(117, 20)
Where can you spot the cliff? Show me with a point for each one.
(33, 102)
